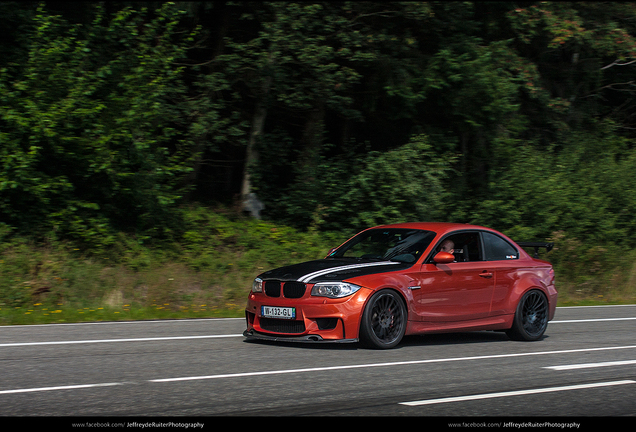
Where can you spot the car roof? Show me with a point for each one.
(442, 228)
(438, 227)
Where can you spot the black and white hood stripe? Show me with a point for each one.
(353, 268)
(331, 270)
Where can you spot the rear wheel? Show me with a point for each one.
(531, 317)
(383, 321)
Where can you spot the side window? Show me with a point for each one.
(466, 246)
(496, 248)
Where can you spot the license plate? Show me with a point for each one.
(278, 312)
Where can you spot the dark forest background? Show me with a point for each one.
(121, 119)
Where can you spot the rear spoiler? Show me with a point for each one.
(536, 245)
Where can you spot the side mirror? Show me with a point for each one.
(443, 258)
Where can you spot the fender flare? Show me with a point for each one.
(526, 284)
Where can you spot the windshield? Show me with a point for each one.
(395, 244)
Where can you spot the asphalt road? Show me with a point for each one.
(585, 366)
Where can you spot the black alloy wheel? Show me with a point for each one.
(384, 320)
(531, 317)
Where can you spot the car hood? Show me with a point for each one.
(331, 270)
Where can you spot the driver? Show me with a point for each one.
(447, 246)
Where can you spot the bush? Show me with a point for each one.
(208, 273)
(356, 191)
(586, 190)
(88, 128)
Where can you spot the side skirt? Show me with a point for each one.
(501, 322)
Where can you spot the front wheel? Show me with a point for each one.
(531, 317)
(383, 321)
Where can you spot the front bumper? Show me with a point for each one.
(318, 319)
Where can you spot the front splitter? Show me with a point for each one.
(251, 334)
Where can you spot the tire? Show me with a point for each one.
(531, 317)
(383, 321)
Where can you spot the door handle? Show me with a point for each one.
(485, 274)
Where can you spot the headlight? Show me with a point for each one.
(334, 289)
(257, 285)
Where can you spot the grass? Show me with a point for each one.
(209, 273)
(592, 274)
(38, 314)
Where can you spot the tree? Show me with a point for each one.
(585, 54)
(291, 64)
(89, 127)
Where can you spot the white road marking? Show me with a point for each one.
(234, 375)
(190, 320)
(595, 306)
(591, 365)
(328, 368)
(69, 387)
(402, 363)
(93, 341)
(515, 393)
(593, 320)
(166, 338)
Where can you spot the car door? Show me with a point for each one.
(457, 291)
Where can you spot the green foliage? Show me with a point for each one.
(406, 183)
(292, 61)
(114, 119)
(213, 241)
(208, 273)
(586, 191)
(89, 138)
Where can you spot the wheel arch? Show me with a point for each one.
(397, 282)
(384, 289)
(530, 320)
(527, 283)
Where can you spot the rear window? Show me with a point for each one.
(496, 248)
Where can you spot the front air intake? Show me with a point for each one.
(282, 326)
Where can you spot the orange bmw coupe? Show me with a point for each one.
(405, 279)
